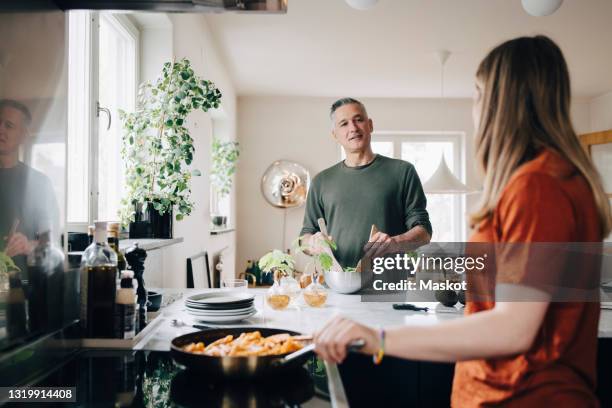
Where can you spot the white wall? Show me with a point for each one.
(192, 39)
(601, 112)
(298, 129)
(581, 116)
(156, 46)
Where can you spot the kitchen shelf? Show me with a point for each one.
(148, 244)
(221, 231)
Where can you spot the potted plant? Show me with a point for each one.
(224, 159)
(158, 149)
(285, 288)
(277, 260)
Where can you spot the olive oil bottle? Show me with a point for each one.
(113, 242)
(98, 286)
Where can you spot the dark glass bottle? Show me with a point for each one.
(90, 234)
(113, 242)
(98, 286)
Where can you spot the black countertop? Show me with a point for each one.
(152, 379)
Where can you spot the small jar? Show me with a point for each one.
(290, 285)
(315, 294)
(277, 297)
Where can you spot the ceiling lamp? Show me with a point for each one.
(362, 4)
(443, 181)
(541, 8)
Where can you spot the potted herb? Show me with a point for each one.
(285, 288)
(158, 149)
(315, 294)
(224, 159)
(277, 260)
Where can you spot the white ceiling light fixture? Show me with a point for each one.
(362, 4)
(541, 8)
(443, 181)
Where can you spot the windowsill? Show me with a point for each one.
(221, 231)
(148, 244)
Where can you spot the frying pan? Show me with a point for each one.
(239, 367)
(233, 367)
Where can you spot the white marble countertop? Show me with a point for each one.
(305, 319)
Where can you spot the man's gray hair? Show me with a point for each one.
(345, 101)
(11, 103)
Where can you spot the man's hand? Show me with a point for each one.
(379, 244)
(18, 244)
(316, 244)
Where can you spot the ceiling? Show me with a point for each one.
(325, 48)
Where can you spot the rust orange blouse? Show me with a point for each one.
(546, 200)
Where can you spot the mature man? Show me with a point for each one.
(364, 189)
(27, 203)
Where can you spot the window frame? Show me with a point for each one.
(122, 23)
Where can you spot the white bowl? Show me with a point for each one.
(343, 282)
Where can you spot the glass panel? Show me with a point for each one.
(425, 156)
(50, 159)
(78, 117)
(117, 89)
(384, 148)
(37, 293)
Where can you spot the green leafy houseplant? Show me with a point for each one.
(157, 147)
(277, 260)
(224, 158)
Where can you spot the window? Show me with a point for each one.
(102, 80)
(424, 150)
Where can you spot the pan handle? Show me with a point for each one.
(355, 345)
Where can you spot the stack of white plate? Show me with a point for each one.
(220, 307)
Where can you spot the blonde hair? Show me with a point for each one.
(526, 107)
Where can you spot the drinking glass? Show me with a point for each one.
(238, 285)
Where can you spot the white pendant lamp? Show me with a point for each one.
(362, 4)
(443, 181)
(541, 8)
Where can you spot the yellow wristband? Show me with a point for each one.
(377, 358)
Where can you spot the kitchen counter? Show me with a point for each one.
(421, 383)
(305, 319)
(299, 317)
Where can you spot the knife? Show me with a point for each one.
(414, 308)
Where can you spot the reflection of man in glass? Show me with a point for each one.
(27, 204)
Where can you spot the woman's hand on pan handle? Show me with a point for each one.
(332, 341)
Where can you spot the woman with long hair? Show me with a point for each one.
(539, 186)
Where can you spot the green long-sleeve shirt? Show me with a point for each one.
(386, 192)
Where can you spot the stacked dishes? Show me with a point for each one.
(220, 307)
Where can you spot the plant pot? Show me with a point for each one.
(151, 224)
(218, 221)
